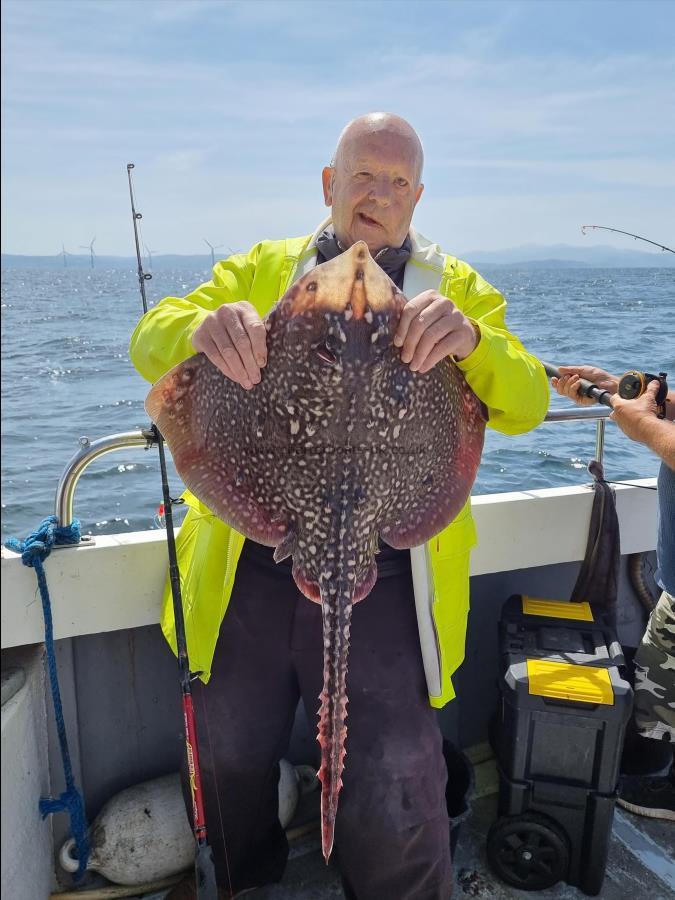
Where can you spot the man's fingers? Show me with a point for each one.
(445, 347)
(573, 386)
(562, 385)
(418, 327)
(426, 343)
(570, 386)
(220, 333)
(257, 334)
(235, 340)
(239, 340)
(411, 309)
(214, 355)
(585, 371)
(588, 373)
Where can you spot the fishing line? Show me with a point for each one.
(645, 487)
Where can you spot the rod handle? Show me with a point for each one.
(587, 387)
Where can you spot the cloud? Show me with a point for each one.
(244, 101)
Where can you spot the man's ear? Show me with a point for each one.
(419, 193)
(327, 176)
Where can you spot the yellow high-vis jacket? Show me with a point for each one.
(510, 382)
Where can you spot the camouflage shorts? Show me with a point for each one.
(655, 674)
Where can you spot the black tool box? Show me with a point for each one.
(557, 737)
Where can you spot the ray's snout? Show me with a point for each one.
(323, 289)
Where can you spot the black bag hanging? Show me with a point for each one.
(598, 577)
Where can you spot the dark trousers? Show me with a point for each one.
(392, 830)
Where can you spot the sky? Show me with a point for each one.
(536, 117)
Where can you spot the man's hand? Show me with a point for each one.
(635, 417)
(568, 385)
(234, 338)
(431, 328)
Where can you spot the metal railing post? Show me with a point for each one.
(88, 452)
(600, 440)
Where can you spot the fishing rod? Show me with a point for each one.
(631, 385)
(205, 874)
(630, 234)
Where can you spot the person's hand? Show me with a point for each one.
(431, 328)
(568, 385)
(634, 417)
(234, 339)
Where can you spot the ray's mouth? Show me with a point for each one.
(326, 355)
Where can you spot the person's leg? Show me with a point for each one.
(244, 718)
(655, 674)
(654, 710)
(392, 829)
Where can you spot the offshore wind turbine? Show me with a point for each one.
(64, 253)
(149, 252)
(213, 247)
(91, 250)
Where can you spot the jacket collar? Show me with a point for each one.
(424, 251)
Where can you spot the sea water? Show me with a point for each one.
(66, 373)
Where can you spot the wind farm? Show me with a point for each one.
(90, 247)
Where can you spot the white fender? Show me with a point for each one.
(293, 782)
(143, 833)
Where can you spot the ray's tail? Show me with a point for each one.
(336, 605)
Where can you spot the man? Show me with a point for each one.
(654, 708)
(392, 834)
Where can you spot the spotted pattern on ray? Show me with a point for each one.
(339, 445)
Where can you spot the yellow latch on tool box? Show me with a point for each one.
(565, 681)
(557, 609)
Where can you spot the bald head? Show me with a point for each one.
(374, 181)
(388, 125)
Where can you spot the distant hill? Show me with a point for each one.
(541, 264)
(529, 256)
(559, 255)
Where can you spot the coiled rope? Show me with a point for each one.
(34, 550)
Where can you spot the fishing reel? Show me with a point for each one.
(633, 385)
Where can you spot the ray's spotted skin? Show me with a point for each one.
(339, 445)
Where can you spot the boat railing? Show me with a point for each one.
(146, 438)
(600, 413)
(85, 456)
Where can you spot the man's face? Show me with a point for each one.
(373, 189)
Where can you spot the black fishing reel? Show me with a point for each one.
(633, 385)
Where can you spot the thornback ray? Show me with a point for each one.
(339, 445)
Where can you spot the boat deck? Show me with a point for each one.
(641, 858)
(640, 864)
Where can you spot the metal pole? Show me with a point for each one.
(600, 440)
(578, 414)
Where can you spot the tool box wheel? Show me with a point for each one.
(528, 851)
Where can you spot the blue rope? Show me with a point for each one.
(34, 550)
